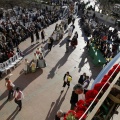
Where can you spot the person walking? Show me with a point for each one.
(10, 87)
(67, 79)
(43, 35)
(18, 96)
(82, 78)
(74, 41)
(32, 37)
(37, 35)
(50, 43)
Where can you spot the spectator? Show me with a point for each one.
(18, 95)
(82, 78)
(77, 94)
(67, 79)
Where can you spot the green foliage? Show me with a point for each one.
(71, 117)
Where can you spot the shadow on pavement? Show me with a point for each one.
(3, 104)
(87, 59)
(63, 42)
(60, 63)
(30, 49)
(58, 103)
(13, 115)
(23, 81)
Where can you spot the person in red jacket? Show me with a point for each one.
(9, 86)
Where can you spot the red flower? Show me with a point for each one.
(91, 94)
(111, 71)
(115, 66)
(79, 114)
(89, 101)
(98, 86)
(81, 108)
(80, 102)
(105, 78)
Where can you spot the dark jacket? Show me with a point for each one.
(81, 80)
(74, 98)
(65, 76)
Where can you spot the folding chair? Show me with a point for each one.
(16, 58)
(6, 66)
(19, 56)
(10, 64)
(2, 69)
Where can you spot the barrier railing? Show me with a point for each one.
(91, 115)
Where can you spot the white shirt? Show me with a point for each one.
(81, 96)
(18, 95)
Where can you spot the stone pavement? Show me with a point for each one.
(42, 88)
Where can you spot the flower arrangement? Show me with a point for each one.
(90, 95)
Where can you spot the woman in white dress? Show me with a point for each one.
(42, 50)
(41, 61)
(35, 59)
(54, 35)
(26, 67)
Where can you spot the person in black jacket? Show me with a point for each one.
(67, 79)
(77, 90)
(82, 78)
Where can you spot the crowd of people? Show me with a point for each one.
(105, 38)
(24, 24)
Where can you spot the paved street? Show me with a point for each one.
(42, 88)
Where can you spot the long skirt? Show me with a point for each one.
(41, 63)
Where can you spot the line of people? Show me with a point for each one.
(14, 93)
(38, 61)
